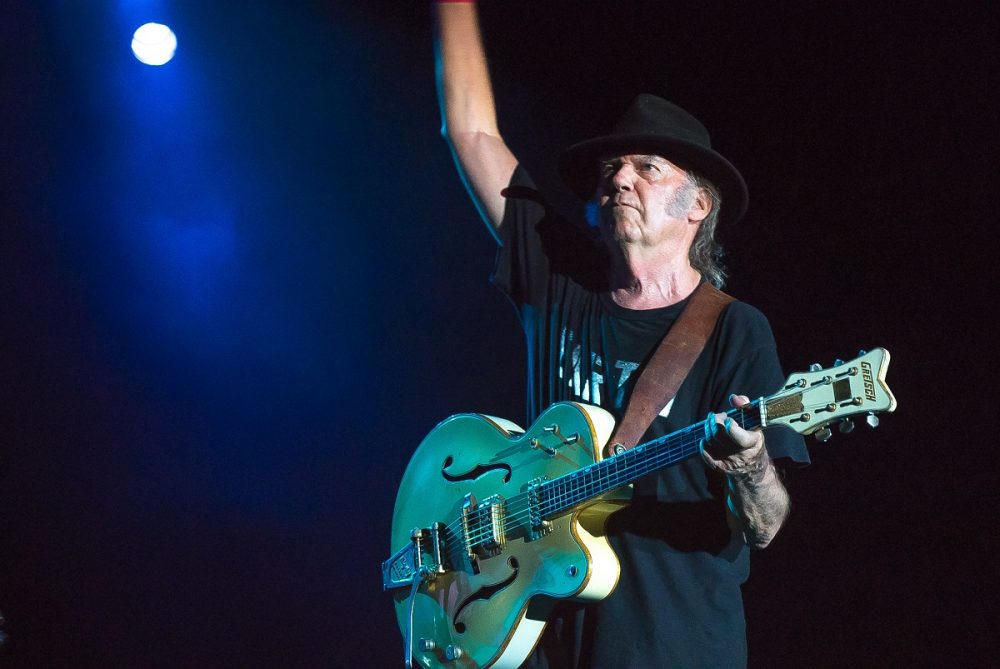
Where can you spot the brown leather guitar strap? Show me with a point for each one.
(671, 362)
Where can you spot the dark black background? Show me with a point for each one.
(205, 478)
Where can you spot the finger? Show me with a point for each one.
(734, 434)
(710, 461)
(730, 428)
(738, 401)
(719, 443)
(741, 439)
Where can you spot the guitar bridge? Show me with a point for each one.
(421, 558)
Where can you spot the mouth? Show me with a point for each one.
(618, 207)
(616, 202)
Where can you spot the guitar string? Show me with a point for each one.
(566, 493)
(608, 474)
(615, 472)
(568, 489)
(578, 486)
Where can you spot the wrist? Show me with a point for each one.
(753, 471)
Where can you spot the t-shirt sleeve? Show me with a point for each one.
(521, 267)
(537, 244)
(755, 371)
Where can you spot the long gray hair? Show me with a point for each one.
(706, 252)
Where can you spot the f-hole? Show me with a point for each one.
(474, 473)
(486, 593)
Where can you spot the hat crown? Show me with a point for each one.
(652, 115)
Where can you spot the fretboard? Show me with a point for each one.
(562, 494)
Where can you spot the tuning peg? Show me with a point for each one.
(824, 435)
(838, 362)
(872, 420)
(815, 367)
(846, 426)
(862, 352)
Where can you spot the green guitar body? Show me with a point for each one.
(488, 609)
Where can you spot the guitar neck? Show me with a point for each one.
(566, 492)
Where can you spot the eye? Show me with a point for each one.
(606, 169)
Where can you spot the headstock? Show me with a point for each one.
(811, 401)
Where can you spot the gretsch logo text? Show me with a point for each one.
(866, 372)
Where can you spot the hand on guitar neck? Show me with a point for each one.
(733, 450)
(757, 501)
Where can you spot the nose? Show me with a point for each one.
(622, 178)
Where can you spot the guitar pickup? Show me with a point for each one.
(421, 558)
(539, 527)
(484, 526)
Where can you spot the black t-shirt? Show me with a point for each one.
(678, 600)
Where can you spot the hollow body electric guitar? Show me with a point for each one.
(493, 523)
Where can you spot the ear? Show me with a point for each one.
(701, 207)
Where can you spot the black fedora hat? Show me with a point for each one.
(654, 125)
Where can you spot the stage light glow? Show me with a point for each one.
(154, 44)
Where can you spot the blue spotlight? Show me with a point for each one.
(154, 44)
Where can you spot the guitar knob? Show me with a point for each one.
(824, 435)
(872, 420)
(838, 362)
(846, 426)
(815, 367)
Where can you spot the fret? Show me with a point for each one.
(566, 492)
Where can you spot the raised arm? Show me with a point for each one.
(469, 120)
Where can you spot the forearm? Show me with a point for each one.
(468, 111)
(759, 503)
(464, 89)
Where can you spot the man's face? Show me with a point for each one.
(646, 200)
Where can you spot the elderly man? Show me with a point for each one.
(595, 302)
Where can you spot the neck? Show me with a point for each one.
(648, 281)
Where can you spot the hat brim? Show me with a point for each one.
(578, 167)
